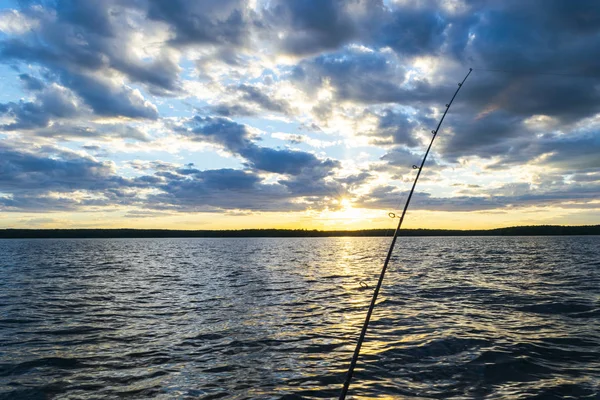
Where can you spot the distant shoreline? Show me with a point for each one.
(541, 230)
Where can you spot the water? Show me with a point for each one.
(509, 318)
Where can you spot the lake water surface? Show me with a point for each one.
(269, 318)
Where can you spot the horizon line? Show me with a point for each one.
(106, 233)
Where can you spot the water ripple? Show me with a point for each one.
(459, 318)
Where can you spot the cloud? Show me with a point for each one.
(576, 152)
(492, 135)
(189, 189)
(356, 180)
(225, 22)
(109, 99)
(355, 74)
(52, 102)
(31, 83)
(507, 197)
(202, 188)
(401, 156)
(249, 100)
(231, 110)
(515, 35)
(55, 170)
(397, 128)
(237, 139)
(92, 15)
(586, 177)
(305, 27)
(56, 102)
(413, 31)
(374, 74)
(89, 130)
(298, 138)
(285, 161)
(35, 202)
(256, 95)
(409, 28)
(54, 180)
(217, 130)
(66, 42)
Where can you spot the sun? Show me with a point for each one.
(346, 214)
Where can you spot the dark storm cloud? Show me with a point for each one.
(381, 197)
(32, 50)
(497, 125)
(28, 178)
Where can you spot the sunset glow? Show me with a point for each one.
(263, 116)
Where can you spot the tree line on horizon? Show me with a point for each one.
(538, 230)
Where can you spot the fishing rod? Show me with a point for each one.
(363, 332)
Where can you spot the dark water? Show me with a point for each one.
(497, 318)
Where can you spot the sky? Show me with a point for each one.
(306, 114)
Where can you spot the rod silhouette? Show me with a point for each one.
(363, 332)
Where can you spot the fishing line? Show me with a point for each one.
(363, 332)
